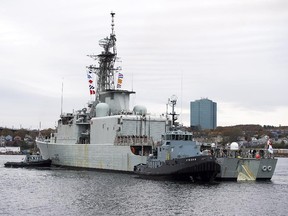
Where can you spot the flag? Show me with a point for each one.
(119, 81)
(270, 149)
(120, 78)
(90, 76)
(120, 75)
(269, 146)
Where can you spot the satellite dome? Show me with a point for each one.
(102, 109)
(139, 110)
(234, 146)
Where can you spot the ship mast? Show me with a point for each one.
(106, 92)
(172, 102)
(106, 60)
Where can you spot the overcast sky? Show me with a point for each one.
(233, 52)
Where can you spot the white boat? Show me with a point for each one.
(106, 134)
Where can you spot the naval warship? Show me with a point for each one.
(106, 134)
(243, 164)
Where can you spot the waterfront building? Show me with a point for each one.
(203, 114)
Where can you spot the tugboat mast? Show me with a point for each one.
(172, 101)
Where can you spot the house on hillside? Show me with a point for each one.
(8, 138)
(28, 139)
(2, 140)
(17, 138)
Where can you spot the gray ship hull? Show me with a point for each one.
(246, 168)
(92, 156)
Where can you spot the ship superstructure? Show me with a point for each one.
(106, 134)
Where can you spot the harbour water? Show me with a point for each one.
(60, 191)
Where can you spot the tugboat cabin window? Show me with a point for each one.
(174, 137)
(185, 137)
(166, 137)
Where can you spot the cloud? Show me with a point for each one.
(233, 52)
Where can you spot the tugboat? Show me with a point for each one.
(30, 161)
(178, 157)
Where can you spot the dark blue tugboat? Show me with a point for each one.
(179, 157)
(30, 161)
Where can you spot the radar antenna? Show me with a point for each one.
(112, 24)
(106, 70)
